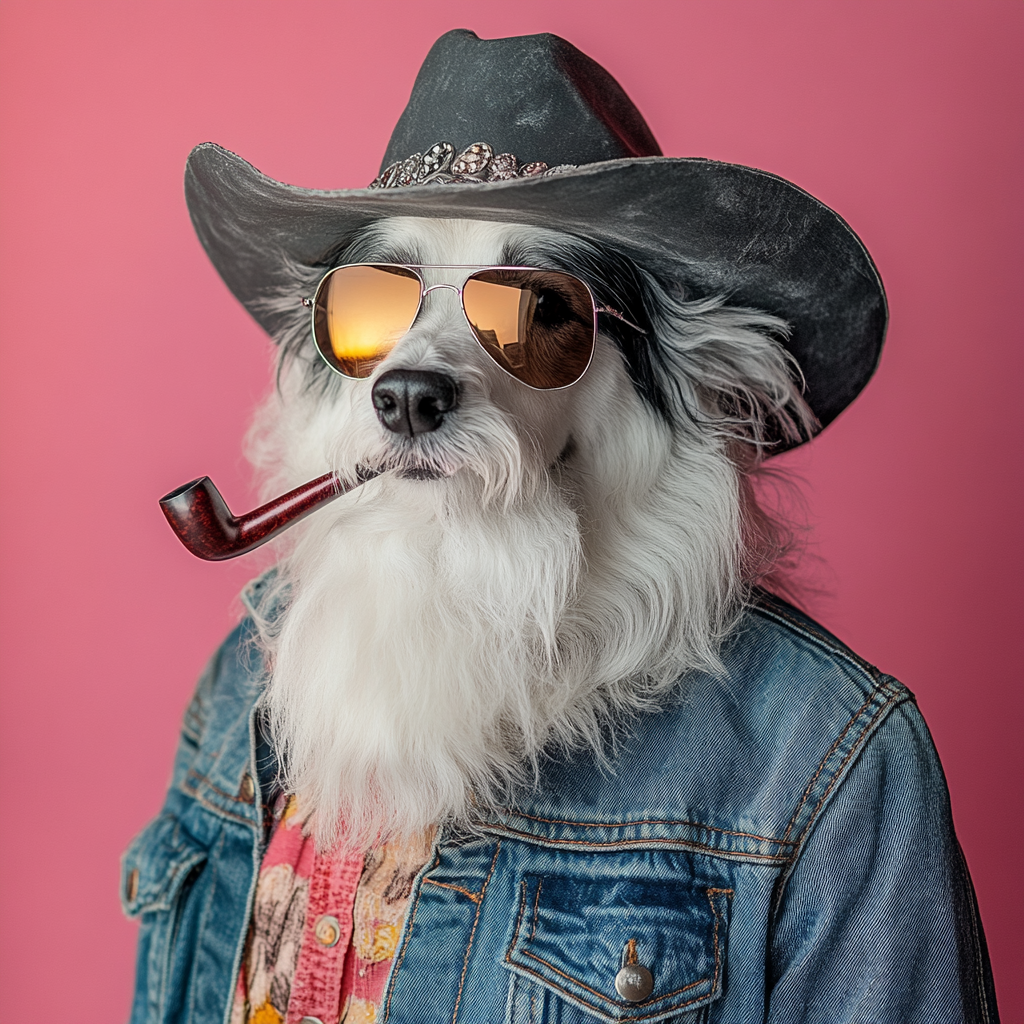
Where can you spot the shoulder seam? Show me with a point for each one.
(889, 694)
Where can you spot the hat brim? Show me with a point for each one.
(722, 229)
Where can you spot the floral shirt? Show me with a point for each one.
(324, 927)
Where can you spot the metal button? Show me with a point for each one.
(247, 788)
(131, 885)
(311, 1020)
(327, 930)
(634, 983)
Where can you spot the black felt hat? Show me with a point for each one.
(530, 130)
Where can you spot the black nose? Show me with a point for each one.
(413, 401)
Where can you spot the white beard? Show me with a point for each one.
(438, 635)
(433, 645)
(414, 665)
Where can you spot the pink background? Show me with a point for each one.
(127, 369)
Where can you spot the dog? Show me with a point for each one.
(534, 572)
(516, 730)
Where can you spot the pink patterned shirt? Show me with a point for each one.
(324, 928)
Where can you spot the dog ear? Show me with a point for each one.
(732, 373)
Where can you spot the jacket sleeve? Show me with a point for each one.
(877, 922)
(197, 713)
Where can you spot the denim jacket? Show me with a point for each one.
(773, 845)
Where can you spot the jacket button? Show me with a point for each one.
(634, 983)
(327, 930)
(247, 788)
(131, 885)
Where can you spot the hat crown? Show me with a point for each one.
(531, 101)
(537, 97)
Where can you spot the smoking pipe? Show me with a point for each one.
(202, 521)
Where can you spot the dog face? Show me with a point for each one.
(506, 434)
(530, 570)
(481, 402)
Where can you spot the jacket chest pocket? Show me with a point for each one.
(617, 950)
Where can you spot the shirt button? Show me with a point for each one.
(247, 788)
(131, 885)
(327, 930)
(634, 983)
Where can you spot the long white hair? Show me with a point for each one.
(541, 569)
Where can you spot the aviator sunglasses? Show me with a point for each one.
(539, 326)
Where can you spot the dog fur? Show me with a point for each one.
(534, 573)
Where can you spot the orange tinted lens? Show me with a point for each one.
(536, 324)
(361, 312)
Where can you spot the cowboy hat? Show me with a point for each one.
(530, 130)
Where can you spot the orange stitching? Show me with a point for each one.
(405, 945)
(601, 995)
(519, 920)
(476, 921)
(536, 907)
(774, 858)
(474, 896)
(718, 917)
(714, 910)
(843, 764)
(622, 1020)
(631, 824)
(632, 942)
(824, 760)
(630, 951)
(220, 810)
(192, 773)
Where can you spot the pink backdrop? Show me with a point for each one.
(128, 368)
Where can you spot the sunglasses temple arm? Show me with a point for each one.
(618, 316)
(202, 521)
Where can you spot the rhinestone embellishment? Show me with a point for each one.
(409, 171)
(474, 165)
(436, 160)
(387, 177)
(530, 170)
(503, 167)
(473, 159)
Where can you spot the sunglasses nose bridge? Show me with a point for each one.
(435, 287)
(445, 286)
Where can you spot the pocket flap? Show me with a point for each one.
(158, 861)
(622, 949)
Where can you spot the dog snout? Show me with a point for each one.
(413, 402)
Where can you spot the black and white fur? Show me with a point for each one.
(538, 570)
